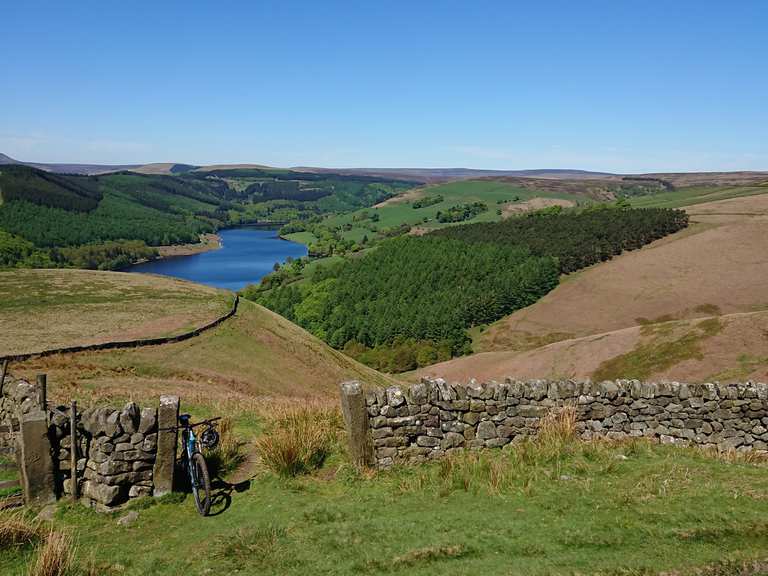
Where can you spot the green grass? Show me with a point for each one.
(302, 238)
(660, 348)
(626, 509)
(58, 308)
(695, 195)
(8, 471)
(397, 213)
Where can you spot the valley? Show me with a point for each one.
(384, 289)
(713, 269)
(578, 276)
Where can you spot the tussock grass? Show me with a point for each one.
(17, 529)
(298, 439)
(230, 452)
(56, 556)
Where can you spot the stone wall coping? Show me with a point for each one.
(438, 389)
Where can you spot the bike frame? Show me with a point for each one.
(190, 448)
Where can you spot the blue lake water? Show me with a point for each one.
(246, 255)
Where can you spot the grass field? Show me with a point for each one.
(696, 195)
(306, 238)
(399, 210)
(43, 309)
(8, 471)
(254, 356)
(631, 508)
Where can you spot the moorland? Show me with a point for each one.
(559, 275)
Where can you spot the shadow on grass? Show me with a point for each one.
(221, 490)
(221, 497)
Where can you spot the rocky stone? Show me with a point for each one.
(128, 518)
(486, 430)
(101, 493)
(129, 418)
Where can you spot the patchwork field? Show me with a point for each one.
(503, 197)
(715, 268)
(44, 309)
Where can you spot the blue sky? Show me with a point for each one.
(617, 85)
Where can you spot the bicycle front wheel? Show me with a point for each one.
(201, 484)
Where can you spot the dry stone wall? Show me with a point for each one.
(434, 418)
(115, 454)
(116, 449)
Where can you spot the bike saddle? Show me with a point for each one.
(184, 418)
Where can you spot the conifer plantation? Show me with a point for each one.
(409, 302)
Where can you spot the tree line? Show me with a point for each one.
(409, 301)
(576, 238)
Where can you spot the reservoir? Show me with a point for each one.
(245, 257)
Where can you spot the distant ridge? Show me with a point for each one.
(445, 174)
(424, 175)
(69, 168)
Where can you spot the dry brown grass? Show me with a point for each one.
(17, 529)
(56, 556)
(713, 267)
(252, 358)
(230, 452)
(299, 438)
(558, 427)
(45, 309)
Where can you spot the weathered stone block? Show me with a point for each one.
(486, 430)
(452, 440)
(427, 441)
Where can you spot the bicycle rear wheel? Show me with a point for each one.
(201, 484)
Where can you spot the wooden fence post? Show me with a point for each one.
(42, 391)
(356, 418)
(3, 372)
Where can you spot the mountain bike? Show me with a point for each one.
(194, 461)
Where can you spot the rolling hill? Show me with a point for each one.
(69, 168)
(255, 354)
(650, 302)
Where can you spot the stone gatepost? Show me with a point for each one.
(167, 439)
(356, 418)
(35, 463)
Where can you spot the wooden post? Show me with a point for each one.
(73, 450)
(42, 391)
(3, 372)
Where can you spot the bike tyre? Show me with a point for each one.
(201, 492)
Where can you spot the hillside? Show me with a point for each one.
(616, 309)
(254, 354)
(417, 209)
(46, 309)
(49, 220)
(69, 168)
(53, 210)
(437, 175)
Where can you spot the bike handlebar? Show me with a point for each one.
(182, 427)
(209, 421)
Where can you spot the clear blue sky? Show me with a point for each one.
(615, 85)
